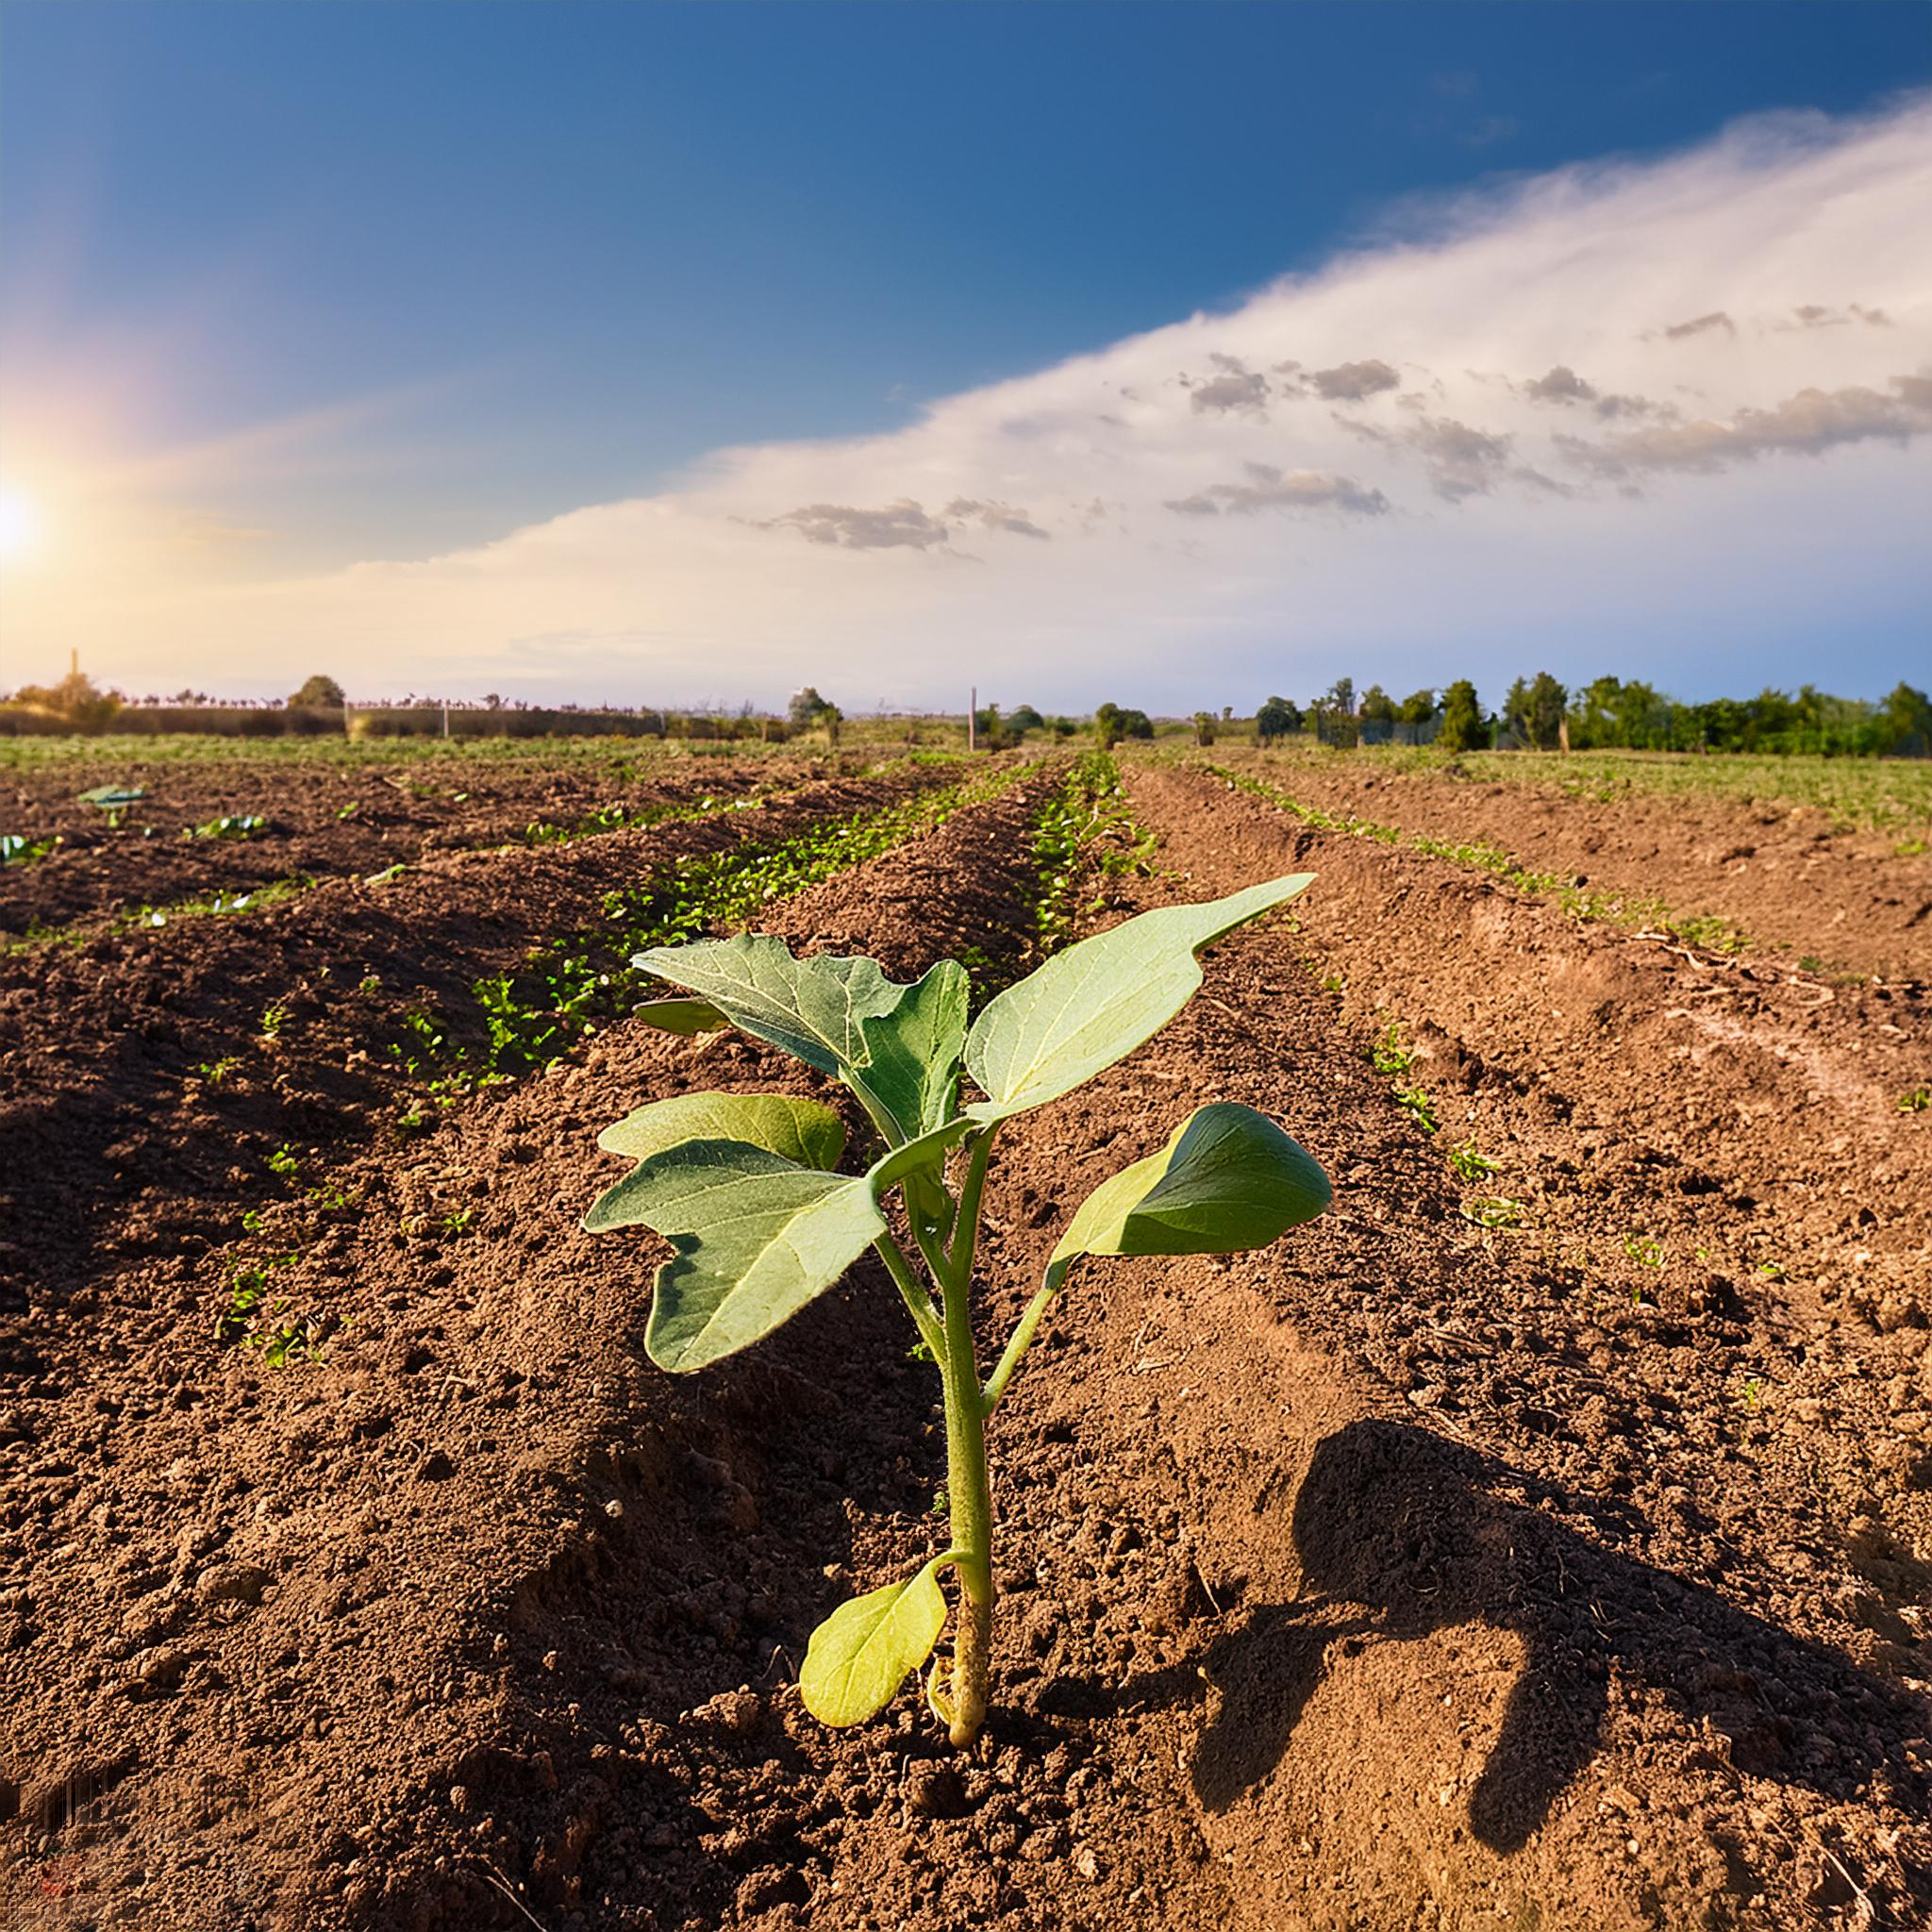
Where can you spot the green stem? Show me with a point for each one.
(925, 1318)
(967, 1487)
(1022, 1335)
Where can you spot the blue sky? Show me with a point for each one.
(339, 283)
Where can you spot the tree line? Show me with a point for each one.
(1609, 714)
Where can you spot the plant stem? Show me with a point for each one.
(967, 1487)
(918, 1303)
(972, 1505)
(1023, 1336)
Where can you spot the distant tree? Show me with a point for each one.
(1905, 722)
(493, 701)
(320, 693)
(1418, 708)
(808, 708)
(1227, 714)
(1514, 716)
(1463, 729)
(1062, 727)
(1204, 727)
(1277, 719)
(1341, 697)
(1024, 719)
(1112, 724)
(988, 731)
(77, 700)
(1546, 701)
(1377, 707)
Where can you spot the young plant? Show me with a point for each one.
(745, 1188)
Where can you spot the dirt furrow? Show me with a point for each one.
(1799, 885)
(1407, 1572)
(319, 819)
(150, 1073)
(440, 1598)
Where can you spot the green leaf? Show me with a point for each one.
(685, 1017)
(860, 1654)
(1097, 1001)
(1228, 1180)
(898, 1047)
(813, 1008)
(757, 1237)
(912, 1051)
(800, 1130)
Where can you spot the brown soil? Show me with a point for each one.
(143, 1093)
(1785, 875)
(396, 814)
(1405, 1573)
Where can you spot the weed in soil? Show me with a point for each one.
(745, 1188)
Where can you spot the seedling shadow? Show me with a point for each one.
(1400, 1535)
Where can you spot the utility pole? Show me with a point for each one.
(972, 721)
(446, 717)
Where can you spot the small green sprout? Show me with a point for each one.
(274, 1017)
(215, 1072)
(283, 1160)
(1470, 1165)
(1493, 1211)
(1642, 1250)
(114, 800)
(229, 825)
(16, 848)
(746, 1188)
(1915, 1100)
(1389, 1054)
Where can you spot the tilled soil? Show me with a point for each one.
(1407, 1573)
(324, 820)
(151, 1072)
(1792, 880)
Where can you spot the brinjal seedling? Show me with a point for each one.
(746, 1188)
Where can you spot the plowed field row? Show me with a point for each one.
(1441, 1565)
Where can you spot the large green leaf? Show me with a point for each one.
(897, 1046)
(860, 1654)
(814, 1009)
(1228, 1180)
(756, 1239)
(912, 1051)
(801, 1130)
(1097, 1001)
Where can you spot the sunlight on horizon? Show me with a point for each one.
(23, 531)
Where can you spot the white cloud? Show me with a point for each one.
(1502, 371)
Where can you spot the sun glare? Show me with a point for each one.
(20, 526)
